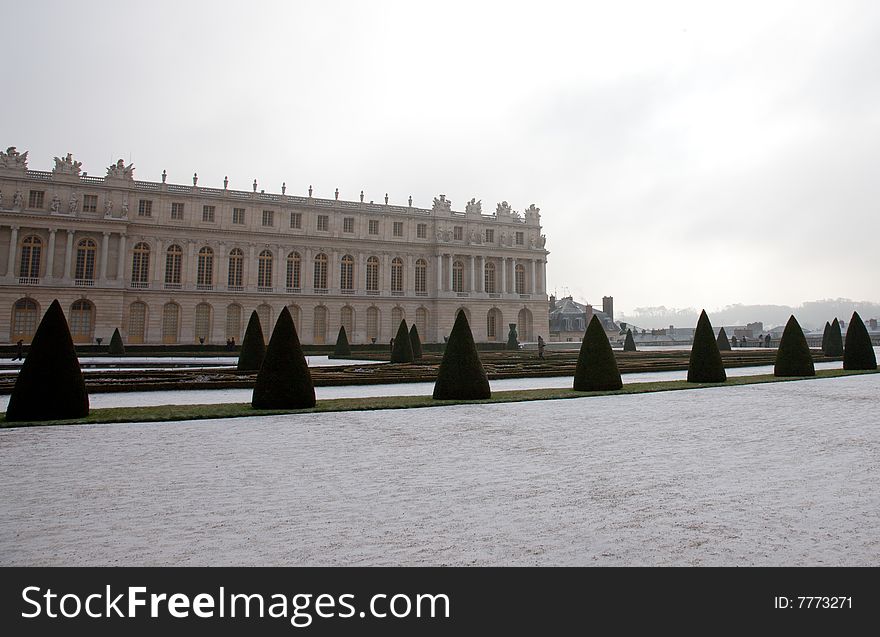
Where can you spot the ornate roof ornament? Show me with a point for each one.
(13, 160)
(474, 207)
(503, 209)
(67, 166)
(442, 204)
(120, 171)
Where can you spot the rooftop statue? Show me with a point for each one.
(13, 159)
(474, 207)
(442, 204)
(503, 209)
(67, 166)
(120, 171)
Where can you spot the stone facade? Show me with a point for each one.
(168, 263)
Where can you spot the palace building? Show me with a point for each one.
(169, 263)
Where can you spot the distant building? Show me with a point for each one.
(569, 319)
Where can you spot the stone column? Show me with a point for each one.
(504, 275)
(473, 275)
(50, 256)
(334, 278)
(439, 274)
(68, 255)
(385, 278)
(189, 272)
(13, 251)
(360, 275)
(250, 270)
(451, 268)
(409, 277)
(308, 275)
(158, 265)
(534, 289)
(105, 245)
(120, 262)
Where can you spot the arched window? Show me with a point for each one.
(490, 277)
(458, 276)
(321, 271)
(170, 322)
(524, 325)
(346, 319)
(173, 263)
(85, 260)
(233, 322)
(296, 315)
(397, 274)
(320, 325)
(140, 264)
(421, 277)
(346, 273)
(205, 269)
(422, 323)
(294, 270)
(137, 322)
(203, 322)
(520, 278)
(493, 324)
(31, 253)
(236, 269)
(82, 321)
(264, 311)
(373, 275)
(264, 270)
(372, 324)
(25, 313)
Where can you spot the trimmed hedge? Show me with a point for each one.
(705, 365)
(835, 340)
(415, 341)
(859, 352)
(629, 344)
(342, 348)
(512, 338)
(825, 336)
(402, 352)
(793, 358)
(284, 380)
(596, 366)
(253, 347)
(723, 341)
(461, 375)
(50, 384)
(116, 347)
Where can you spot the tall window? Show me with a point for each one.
(320, 325)
(173, 261)
(140, 264)
(205, 271)
(296, 220)
(520, 238)
(490, 278)
(268, 218)
(233, 322)
(137, 322)
(458, 276)
(397, 229)
(25, 313)
(294, 271)
(422, 231)
(348, 224)
(421, 277)
(373, 274)
(372, 323)
(85, 260)
(238, 216)
(493, 322)
(31, 252)
(519, 278)
(35, 198)
(323, 223)
(145, 208)
(90, 203)
(264, 270)
(236, 268)
(208, 213)
(422, 323)
(346, 273)
(82, 321)
(490, 235)
(397, 274)
(346, 319)
(203, 322)
(373, 226)
(321, 271)
(457, 233)
(170, 320)
(177, 211)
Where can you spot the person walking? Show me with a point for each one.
(19, 351)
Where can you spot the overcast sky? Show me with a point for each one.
(682, 153)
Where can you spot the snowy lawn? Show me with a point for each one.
(782, 473)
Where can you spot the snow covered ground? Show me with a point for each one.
(776, 474)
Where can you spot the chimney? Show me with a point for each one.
(552, 302)
(589, 313)
(608, 306)
(872, 324)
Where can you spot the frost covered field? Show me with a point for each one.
(777, 474)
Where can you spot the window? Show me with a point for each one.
(203, 322)
(321, 271)
(140, 264)
(346, 273)
(323, 223)
(208, 214)
(373, 274)
(173, 260)
(458, 276)
(85, 260)
(457, 233)
(264, 270)
(90, 203)
(233, 322)
(177, 211)
(268, 218)
(489, 279)
(492, 325)
(296, 220)
(421, 277)
(35, 198)
(490, 235)
(25, 313)
(145, 208)
(519, 239)
(422, 231)
(397, 229)
(294, 263)
(348, 224)
(82, 323)
(519, 278)
(346, 319)
(238, 216)
(170, 317)
(205, 269)
(320, 325)
(372, 323)
(137, 322)
(397, 274)
(422, 323)
(31, 252)
(374, 226)
(236, 268)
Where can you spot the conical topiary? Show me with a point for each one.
(859, 352)
(415, 341)
(834, 346)
(825, 336)
(284, 381)
(793, 358)
(461, 375)
(705, 365)
(253, 347)
(596, 366)
(722, 340)
(629, 344)
(50, 384)
(116, 347)
(402, 351)
(342, 347)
